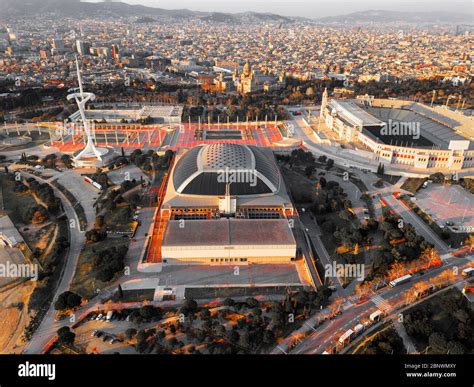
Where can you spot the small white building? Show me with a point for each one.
(9, 235)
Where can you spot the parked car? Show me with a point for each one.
(110, 315)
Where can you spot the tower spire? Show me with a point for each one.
(81, 99)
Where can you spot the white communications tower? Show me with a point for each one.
(90, 150)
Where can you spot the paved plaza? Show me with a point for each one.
(448, 203)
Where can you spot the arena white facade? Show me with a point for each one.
(403, 132)
(159, 114)
(227, 204)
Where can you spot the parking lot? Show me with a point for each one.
(102, 336)
(449, 205)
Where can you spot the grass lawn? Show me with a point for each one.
(84, 282)
(413, 184)
(389, 178)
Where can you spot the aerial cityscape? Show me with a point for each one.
(197, 181)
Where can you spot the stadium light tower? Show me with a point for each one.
(81, 98)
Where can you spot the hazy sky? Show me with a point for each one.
(310, 8)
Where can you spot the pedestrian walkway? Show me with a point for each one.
(382, 304)
(347, 305)
(407, 341)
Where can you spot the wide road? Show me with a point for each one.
(330, 330)
(48, 326)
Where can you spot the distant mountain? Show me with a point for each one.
(383, 16)
(78, 9)
(249, 17)
(12, 9)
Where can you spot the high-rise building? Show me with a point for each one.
(82, 47)
(115, 52)
(58, 43)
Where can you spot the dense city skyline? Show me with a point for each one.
(236, 179)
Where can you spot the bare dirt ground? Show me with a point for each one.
(14, 316)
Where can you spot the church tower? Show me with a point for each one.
(282, 77)
(246, 70)
(324, 102)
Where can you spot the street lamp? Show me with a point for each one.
(433, 98)
(447, 100)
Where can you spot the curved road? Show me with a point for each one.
(48, 325)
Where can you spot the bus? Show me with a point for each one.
(97, 185)
(400, 281)
(93, 183)
(376, 316)
(359, 328)
(469, 272)
(346, 337)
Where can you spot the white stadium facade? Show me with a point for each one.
(227, 204)
(403, 132)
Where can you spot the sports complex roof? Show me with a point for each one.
(229, 232)
(438, 128)
(206, 169)
(435, 129)
(351, 112)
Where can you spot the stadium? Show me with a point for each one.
(403, 132)
(224, 204)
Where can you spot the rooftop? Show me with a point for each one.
(205, 170)
(354, 114)
(229, 232)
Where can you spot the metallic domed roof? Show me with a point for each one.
(200, 171)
